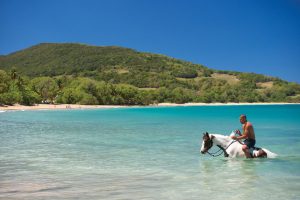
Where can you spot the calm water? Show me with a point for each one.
(145, 153)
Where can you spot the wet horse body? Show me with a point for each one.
(231, 148)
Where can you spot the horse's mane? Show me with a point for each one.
(222, 137)
(219, 135)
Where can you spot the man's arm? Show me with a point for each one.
(243, 136)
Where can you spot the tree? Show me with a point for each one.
(68, 96)
(128, 93)
(9, 90)
(12, 96)
(88, 99)
(104, 93)
(181, 95)
(4, 82)
(46, 87)
(13, 74)
(29, 97)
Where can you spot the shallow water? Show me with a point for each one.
(145, 153)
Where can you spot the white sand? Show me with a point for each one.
(76, 106)
(56, 107)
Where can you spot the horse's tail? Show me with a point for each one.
(269, 153)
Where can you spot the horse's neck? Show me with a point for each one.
(221, 140)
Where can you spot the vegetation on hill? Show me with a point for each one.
(82, 74)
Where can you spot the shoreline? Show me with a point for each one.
(18, 107)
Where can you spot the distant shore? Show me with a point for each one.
(77, 106)
(57, 107)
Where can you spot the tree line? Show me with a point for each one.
(68, 89)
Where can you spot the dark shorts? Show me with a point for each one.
(250, 143)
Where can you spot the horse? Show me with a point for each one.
(231, 148)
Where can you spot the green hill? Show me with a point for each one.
(113, 73)
(57, 59)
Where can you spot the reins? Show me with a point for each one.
(221, 148)
(213, 154)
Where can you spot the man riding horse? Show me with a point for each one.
(248, 134)
(232, 148)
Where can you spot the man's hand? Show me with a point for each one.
(233, 137)
(238, 132)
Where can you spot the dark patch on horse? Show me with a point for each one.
(261, 153)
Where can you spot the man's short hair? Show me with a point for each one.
(244, 116)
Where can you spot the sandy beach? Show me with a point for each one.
(56, 107)
(77, 106)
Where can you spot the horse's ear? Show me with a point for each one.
(207, 134)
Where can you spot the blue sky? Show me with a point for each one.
(260, 36)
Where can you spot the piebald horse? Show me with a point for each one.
(231, 148)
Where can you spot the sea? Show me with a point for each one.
(146, 153)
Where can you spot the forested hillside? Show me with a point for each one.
(82, 74)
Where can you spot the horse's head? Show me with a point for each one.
(207, 142)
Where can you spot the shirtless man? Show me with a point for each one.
(248, 134)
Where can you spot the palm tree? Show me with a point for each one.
(13, 74)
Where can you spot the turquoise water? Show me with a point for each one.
(145, 153)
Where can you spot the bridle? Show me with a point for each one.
(210, 144)
(220, 148)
